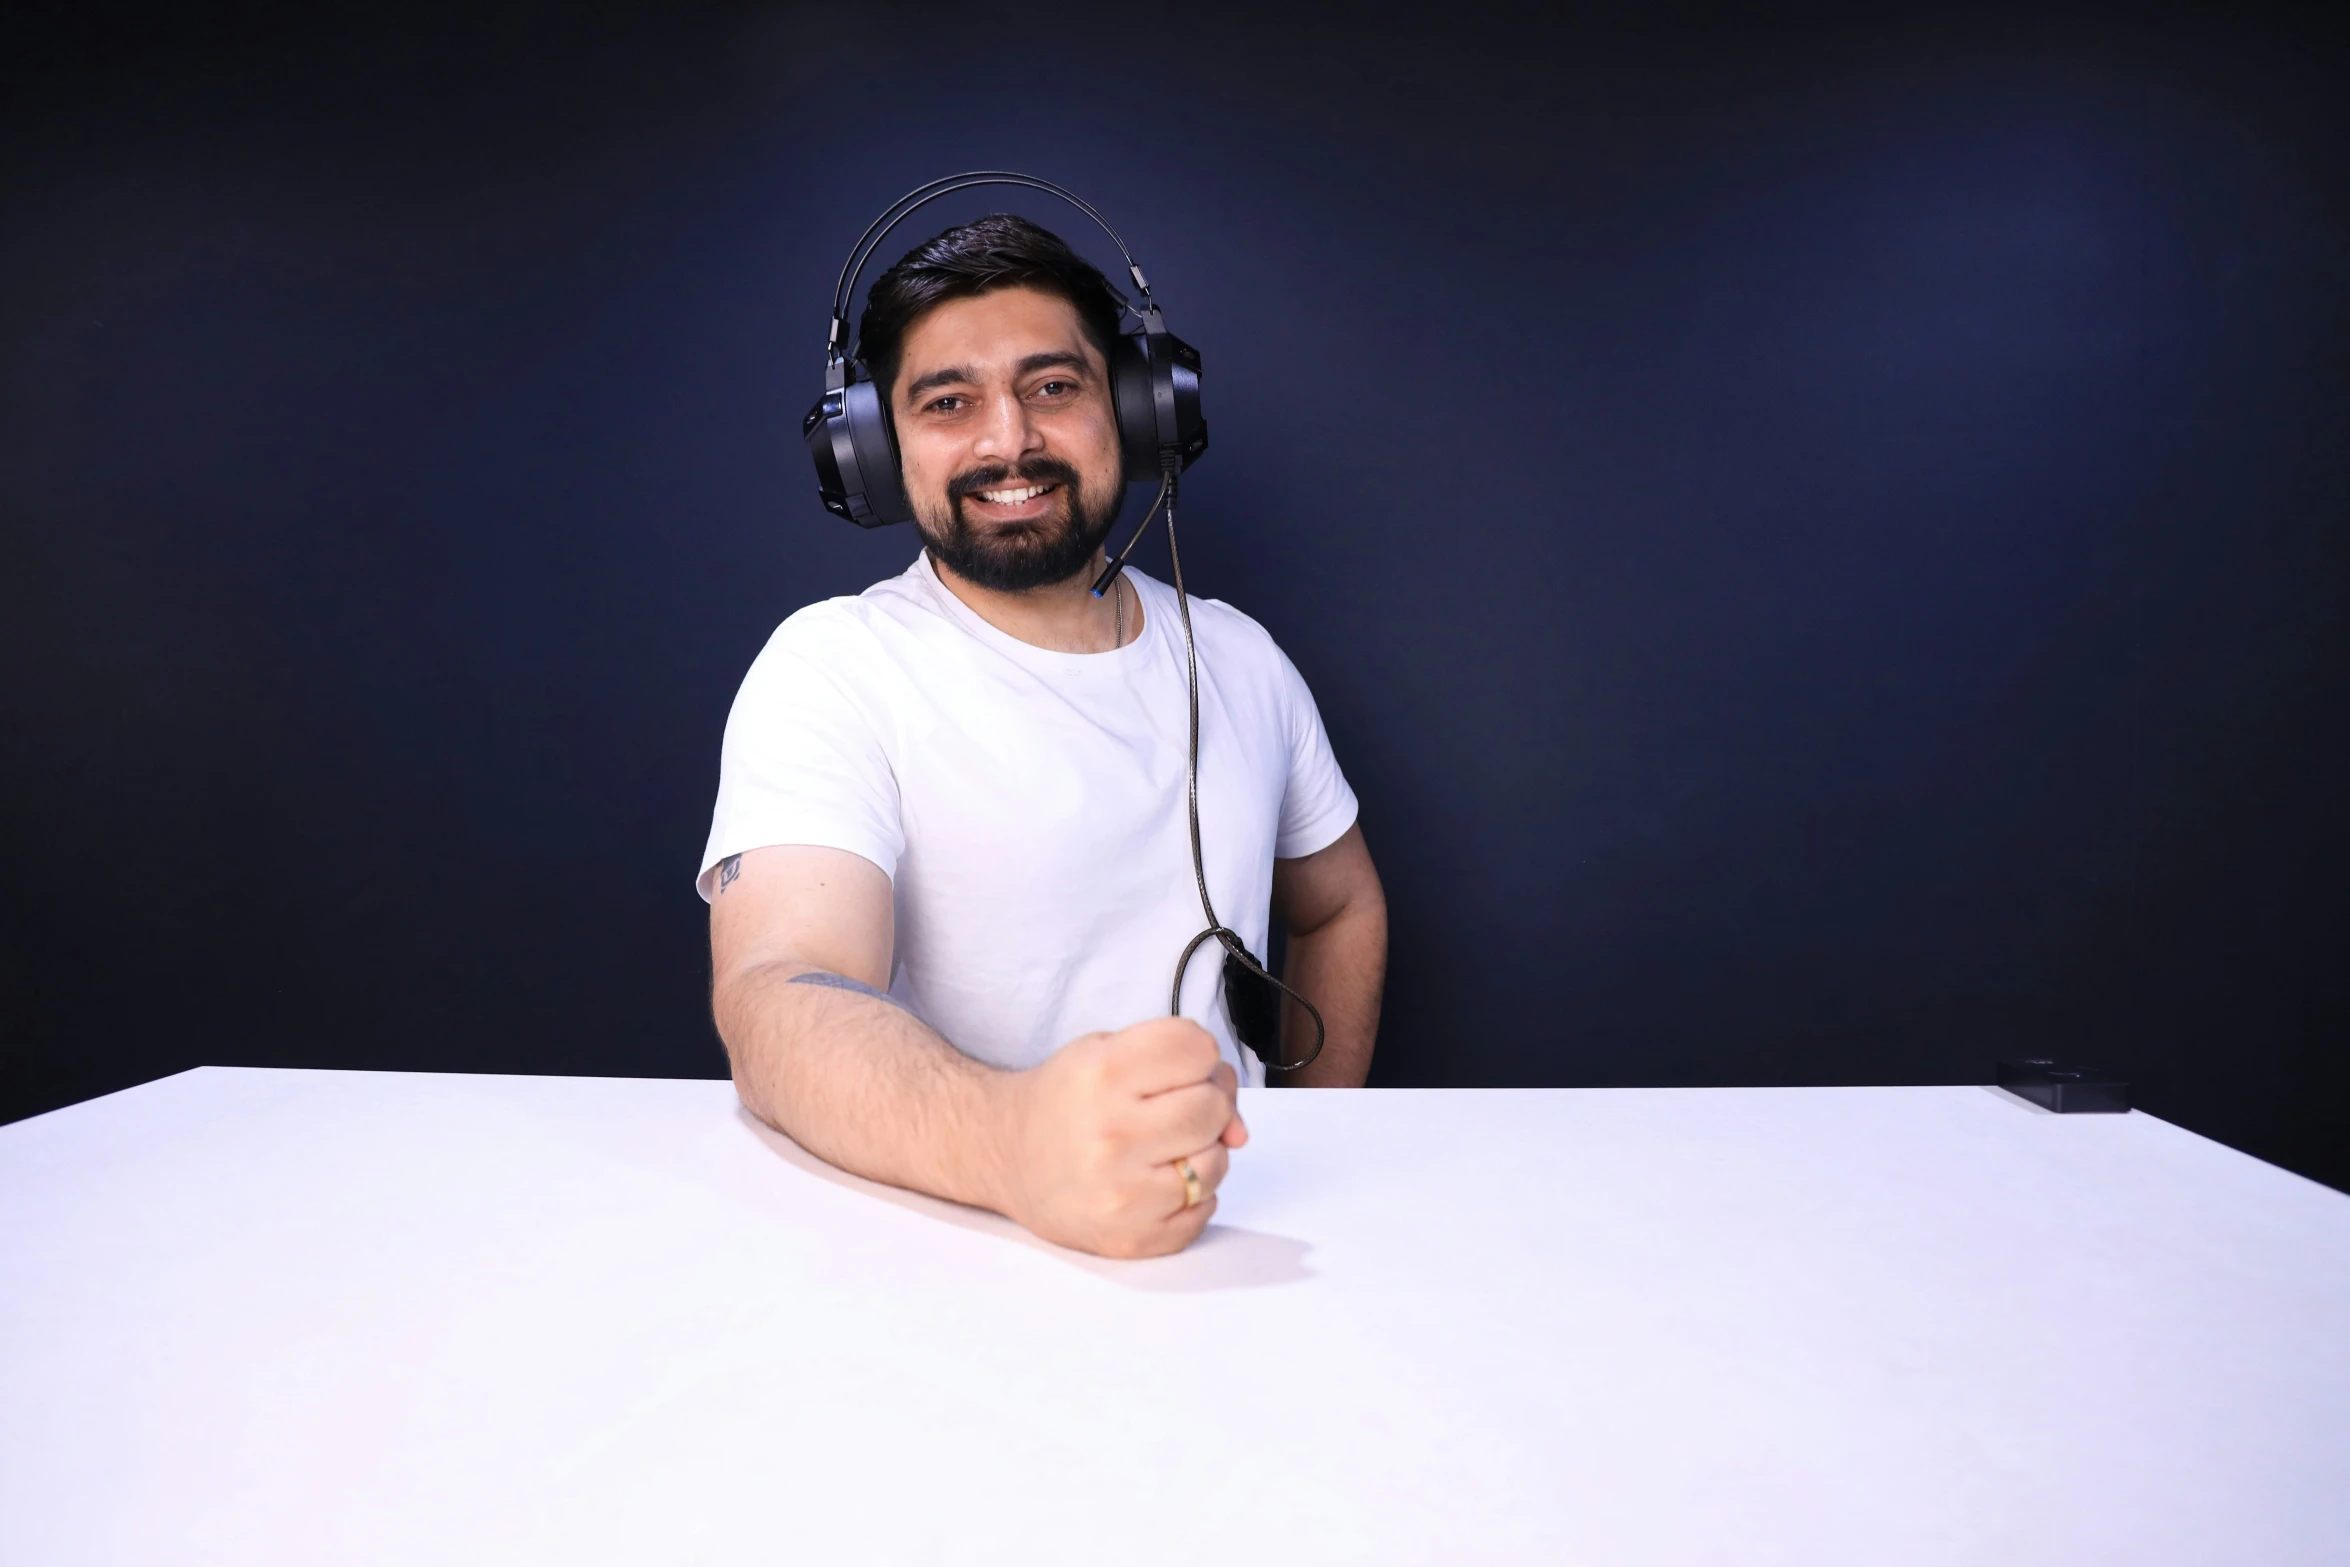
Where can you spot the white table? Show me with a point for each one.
(311, 1317)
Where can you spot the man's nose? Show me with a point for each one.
(1006, 430)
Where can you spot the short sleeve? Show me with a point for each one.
(1317, 806)
(805, 759)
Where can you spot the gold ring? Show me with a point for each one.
(1190, 1182)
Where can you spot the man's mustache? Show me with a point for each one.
(1035, 470)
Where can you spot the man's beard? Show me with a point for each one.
(1015, 557)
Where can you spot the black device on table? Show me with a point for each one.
(2065, 1088)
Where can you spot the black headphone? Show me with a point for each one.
(1154, 382)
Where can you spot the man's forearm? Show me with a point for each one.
(1341, 967)
(865, 1085)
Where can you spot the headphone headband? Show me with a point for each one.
(921, 196)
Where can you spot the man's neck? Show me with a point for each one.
(1062, 617)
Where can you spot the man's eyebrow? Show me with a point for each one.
(937, 378)
(1046, 361)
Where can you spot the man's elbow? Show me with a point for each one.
(1360, 906)
(741, 1008)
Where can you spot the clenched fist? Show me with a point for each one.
(1094, 1134)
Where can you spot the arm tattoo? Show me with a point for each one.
(728, 869)
(831, 981)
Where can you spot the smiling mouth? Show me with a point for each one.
(1015, 495)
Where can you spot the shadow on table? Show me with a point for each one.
(1224, 1257)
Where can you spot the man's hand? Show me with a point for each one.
(1080, 1148)
(1092, 1135)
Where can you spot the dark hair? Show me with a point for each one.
(999, 251)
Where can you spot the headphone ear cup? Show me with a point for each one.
(1154, 378)
(856, 455)
(1138, 417)
(876, 443)
(825, 432)
(1182, 395)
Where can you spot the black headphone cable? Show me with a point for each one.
(1234, 948)
(1101, 584)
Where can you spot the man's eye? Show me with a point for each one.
(1056, 388)
(947, 404)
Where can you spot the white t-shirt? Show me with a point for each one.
(1028, 805)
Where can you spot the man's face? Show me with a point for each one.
(1008, 438)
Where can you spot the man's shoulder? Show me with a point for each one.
(1232, 638)
(851, 623)
(1216, 623)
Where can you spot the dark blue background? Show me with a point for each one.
(1822, 546)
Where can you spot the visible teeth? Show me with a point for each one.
(1013, 497)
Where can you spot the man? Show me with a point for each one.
(949, 870)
